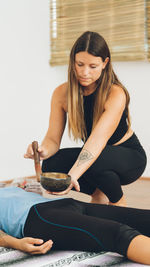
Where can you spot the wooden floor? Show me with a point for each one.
(137, 194)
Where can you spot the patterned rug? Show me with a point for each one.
(11, 257)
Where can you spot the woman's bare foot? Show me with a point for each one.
(122, 202)
(98, 197)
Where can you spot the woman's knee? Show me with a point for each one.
(109, 183)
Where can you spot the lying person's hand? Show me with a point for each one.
(34, 245)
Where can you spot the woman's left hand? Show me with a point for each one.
(74, 183)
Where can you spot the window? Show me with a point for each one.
(124, 24)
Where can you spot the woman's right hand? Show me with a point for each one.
(41, 149)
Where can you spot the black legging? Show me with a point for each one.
(75, 225)
(116, 166)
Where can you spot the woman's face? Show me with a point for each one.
(88, 68)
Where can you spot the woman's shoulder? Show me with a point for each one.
(61, 90)
(116, 95)
(59, 96)
(117, 89)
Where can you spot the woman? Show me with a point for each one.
(34, 224)
(97, 106)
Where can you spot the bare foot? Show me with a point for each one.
(122, 202)
(98, 197)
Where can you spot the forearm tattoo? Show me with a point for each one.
(84, 156)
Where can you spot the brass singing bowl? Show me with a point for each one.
(55, 181)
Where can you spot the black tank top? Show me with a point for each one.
(88, 117)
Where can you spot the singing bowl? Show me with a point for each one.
(55, 181)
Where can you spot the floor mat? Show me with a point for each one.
(11, 257)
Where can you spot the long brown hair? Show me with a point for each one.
(94, 44)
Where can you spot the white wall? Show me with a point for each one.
(27, 82)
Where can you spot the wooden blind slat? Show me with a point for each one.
(120, 22)
(148, 27)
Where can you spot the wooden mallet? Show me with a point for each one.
(36, 160)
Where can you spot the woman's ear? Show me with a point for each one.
(105, 62)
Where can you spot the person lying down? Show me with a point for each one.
(34, 224)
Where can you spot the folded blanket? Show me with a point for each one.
(29, 184)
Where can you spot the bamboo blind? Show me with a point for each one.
(148, 27)
(120, 22)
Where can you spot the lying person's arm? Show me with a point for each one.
(26, 244)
